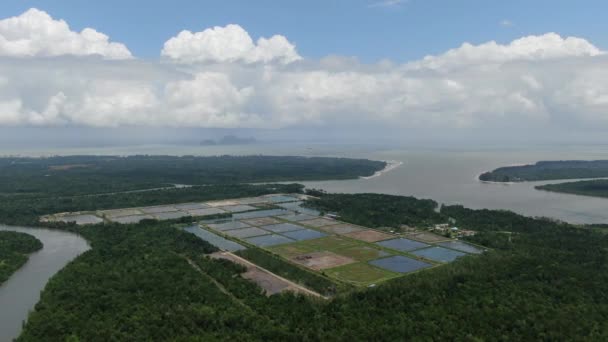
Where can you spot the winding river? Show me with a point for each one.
(20, 293)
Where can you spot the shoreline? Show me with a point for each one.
(494, 182)
(390, 165)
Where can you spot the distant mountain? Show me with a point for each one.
(229, 140)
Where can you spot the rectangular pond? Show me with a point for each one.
(281, 198)
(402, 244)
(158, 209)
(282, 227)
(400, 264)
(461, 246)
(214, 239)
(246, 232)
(238, 208)
(268, 240)
(205, 211)
(191, 206)
(261, 213)
(228, 225)
(304, 234)
(439, 254)
(297, 217)
(170, 215)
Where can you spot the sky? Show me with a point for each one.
(373, 69)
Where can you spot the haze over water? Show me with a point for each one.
(448, 176)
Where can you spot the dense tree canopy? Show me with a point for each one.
(14, 250)
(597, 188)
(548, 170)
(74, 175)
(377, 210)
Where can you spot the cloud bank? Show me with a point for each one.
(35, 34)
(220, 78)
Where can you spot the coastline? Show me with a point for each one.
(494, 182)
(390, 165)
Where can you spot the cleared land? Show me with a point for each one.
(341, 229)
(268, 281)
(360, 274)
(370, 235)
(427, 237)
(322, 260)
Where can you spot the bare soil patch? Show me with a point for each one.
(427, 237)
(370, 235)
(319, 222)
(261, 221)
(322, 260)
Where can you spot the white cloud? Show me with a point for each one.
(225, 80)
(387, 3)
(506, 23)
(530, 48)
(210, 99)
(227, 45)
(35, 34)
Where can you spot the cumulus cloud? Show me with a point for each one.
(227, 45)
(36, 34)
(225, 80)
(530, 48)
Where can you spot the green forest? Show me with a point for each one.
(596, 188)
(14, 250)
(80, 175)
(548, 170)
(541, 280)
(377, 210)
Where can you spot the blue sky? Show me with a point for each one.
(362, 28)
(530, 69)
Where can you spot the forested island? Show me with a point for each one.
(78, 175)
(595, 188)
(14, 250)
(548, 170)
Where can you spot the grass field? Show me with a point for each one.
(360, 274)
(362, 253)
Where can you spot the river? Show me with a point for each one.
(20, 293)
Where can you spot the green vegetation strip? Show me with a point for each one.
(595, 188)
(377, 210)
(14, 250)
(548, 170)
(86, 175)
